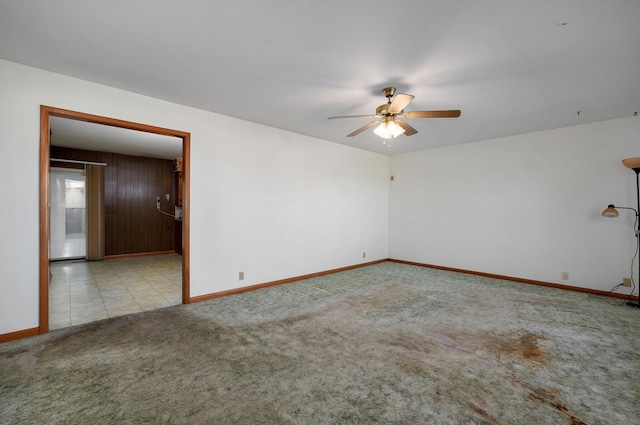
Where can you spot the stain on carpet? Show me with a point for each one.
(27, 358)
(550, 397)
(523, 344)
(483, 413)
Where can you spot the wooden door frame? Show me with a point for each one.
(45, 155)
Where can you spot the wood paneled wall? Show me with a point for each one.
(132, 183)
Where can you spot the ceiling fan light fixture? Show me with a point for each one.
(388, 130)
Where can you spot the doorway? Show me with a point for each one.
(46, 113)
(68, 237)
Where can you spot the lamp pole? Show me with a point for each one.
(634, 164)
(637, 232)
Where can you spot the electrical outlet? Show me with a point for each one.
(626, 281)
(241, 276)
(364, 255)
(565, 276)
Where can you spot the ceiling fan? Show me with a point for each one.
(389, 116)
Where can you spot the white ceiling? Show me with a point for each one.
(511, 66)
(72, 133)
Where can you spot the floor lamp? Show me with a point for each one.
(634, 164)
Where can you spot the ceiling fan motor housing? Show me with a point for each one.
(383, 110)
(389, 92)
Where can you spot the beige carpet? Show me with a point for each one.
(388, 344)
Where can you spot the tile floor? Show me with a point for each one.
(86, 291)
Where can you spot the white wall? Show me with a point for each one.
(526, 206)
(264, 201)
(276, 204)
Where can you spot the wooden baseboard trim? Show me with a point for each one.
(19, 334)
(36, 331)
(520, 280)
(278, 282)
(137, 254)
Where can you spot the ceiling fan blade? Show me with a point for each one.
(352, 116)
(401, 100)
(454, 113)
(363, 128)
(408, 130)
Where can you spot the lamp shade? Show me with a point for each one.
(632, 163)
(610, 212)
(388, 130)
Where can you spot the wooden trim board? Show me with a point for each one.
(138, 254)
(279, 282)
(19, 334)
(520, 280)
(35, 331)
